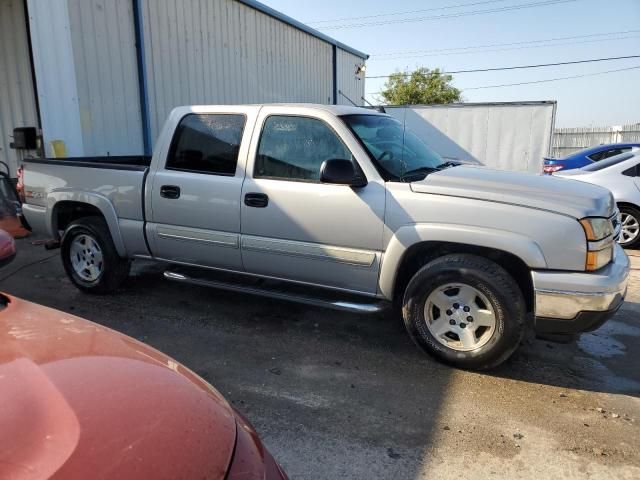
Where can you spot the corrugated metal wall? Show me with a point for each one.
(55, 74)
(17, 97)
(104, 50)
(349, 83)
(512, 136)
(208, 52)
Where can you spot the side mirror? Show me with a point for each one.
(341, 172)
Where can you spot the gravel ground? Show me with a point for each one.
(336, 395)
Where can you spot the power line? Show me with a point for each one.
(489, 45)
(553, 79)
(407, 12)
(519, 67)
(541, 81)
(508, 48)
(450, 15)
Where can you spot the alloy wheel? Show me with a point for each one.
(630, 228)
(86, 258)
(460, 317)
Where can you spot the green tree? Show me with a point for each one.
(422, 86)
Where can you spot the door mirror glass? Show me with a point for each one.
(341, 172)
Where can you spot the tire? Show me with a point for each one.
(630, 215)
(485, 292)
(87, 243)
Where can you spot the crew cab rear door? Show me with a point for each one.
(297, 228)
(195, 190)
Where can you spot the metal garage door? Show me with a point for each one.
(17, 98)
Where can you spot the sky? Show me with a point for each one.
(583, 29)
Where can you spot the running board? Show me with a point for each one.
(280, 290)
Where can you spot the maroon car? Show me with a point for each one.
(7, 248)
(79, 401)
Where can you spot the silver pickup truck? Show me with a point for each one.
(342, 207)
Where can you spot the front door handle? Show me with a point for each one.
(257, 200)
(170, 191)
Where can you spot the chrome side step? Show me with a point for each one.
(281, 291)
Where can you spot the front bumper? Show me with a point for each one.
(570, 303)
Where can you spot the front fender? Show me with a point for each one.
(405, 237)
(101, 202)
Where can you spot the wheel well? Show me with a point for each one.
(66, 212)
(422, 253)
(627, 204)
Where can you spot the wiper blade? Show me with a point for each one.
(449, 164)
(419, 171)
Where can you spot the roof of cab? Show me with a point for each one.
(334, 109)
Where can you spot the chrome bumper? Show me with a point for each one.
(574, 302)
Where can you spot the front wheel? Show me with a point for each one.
(465, 311)
(629, 227)
(90, 258)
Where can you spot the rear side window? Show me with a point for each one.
(207, 143)
(294, 148)
(597, 156)
(617, 151)
(608, 153)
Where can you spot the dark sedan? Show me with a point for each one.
(585, 157)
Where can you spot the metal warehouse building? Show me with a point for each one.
(99, 77)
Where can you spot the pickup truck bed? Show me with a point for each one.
(111, 184)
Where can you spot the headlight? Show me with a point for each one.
(597, 260)
(600, 242)
(597, 228)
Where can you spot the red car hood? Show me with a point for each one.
(78, 401)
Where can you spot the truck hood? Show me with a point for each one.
(543, 192)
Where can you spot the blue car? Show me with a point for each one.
(582, 158)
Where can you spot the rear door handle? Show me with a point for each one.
(170, 191)
(256, 200)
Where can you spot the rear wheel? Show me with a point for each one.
(630, 227)
(465, 310)
(90, 258)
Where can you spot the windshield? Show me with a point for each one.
(397, 151)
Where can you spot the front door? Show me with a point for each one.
(295, 227)
(195, 196)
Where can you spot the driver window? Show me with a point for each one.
(294, 148)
